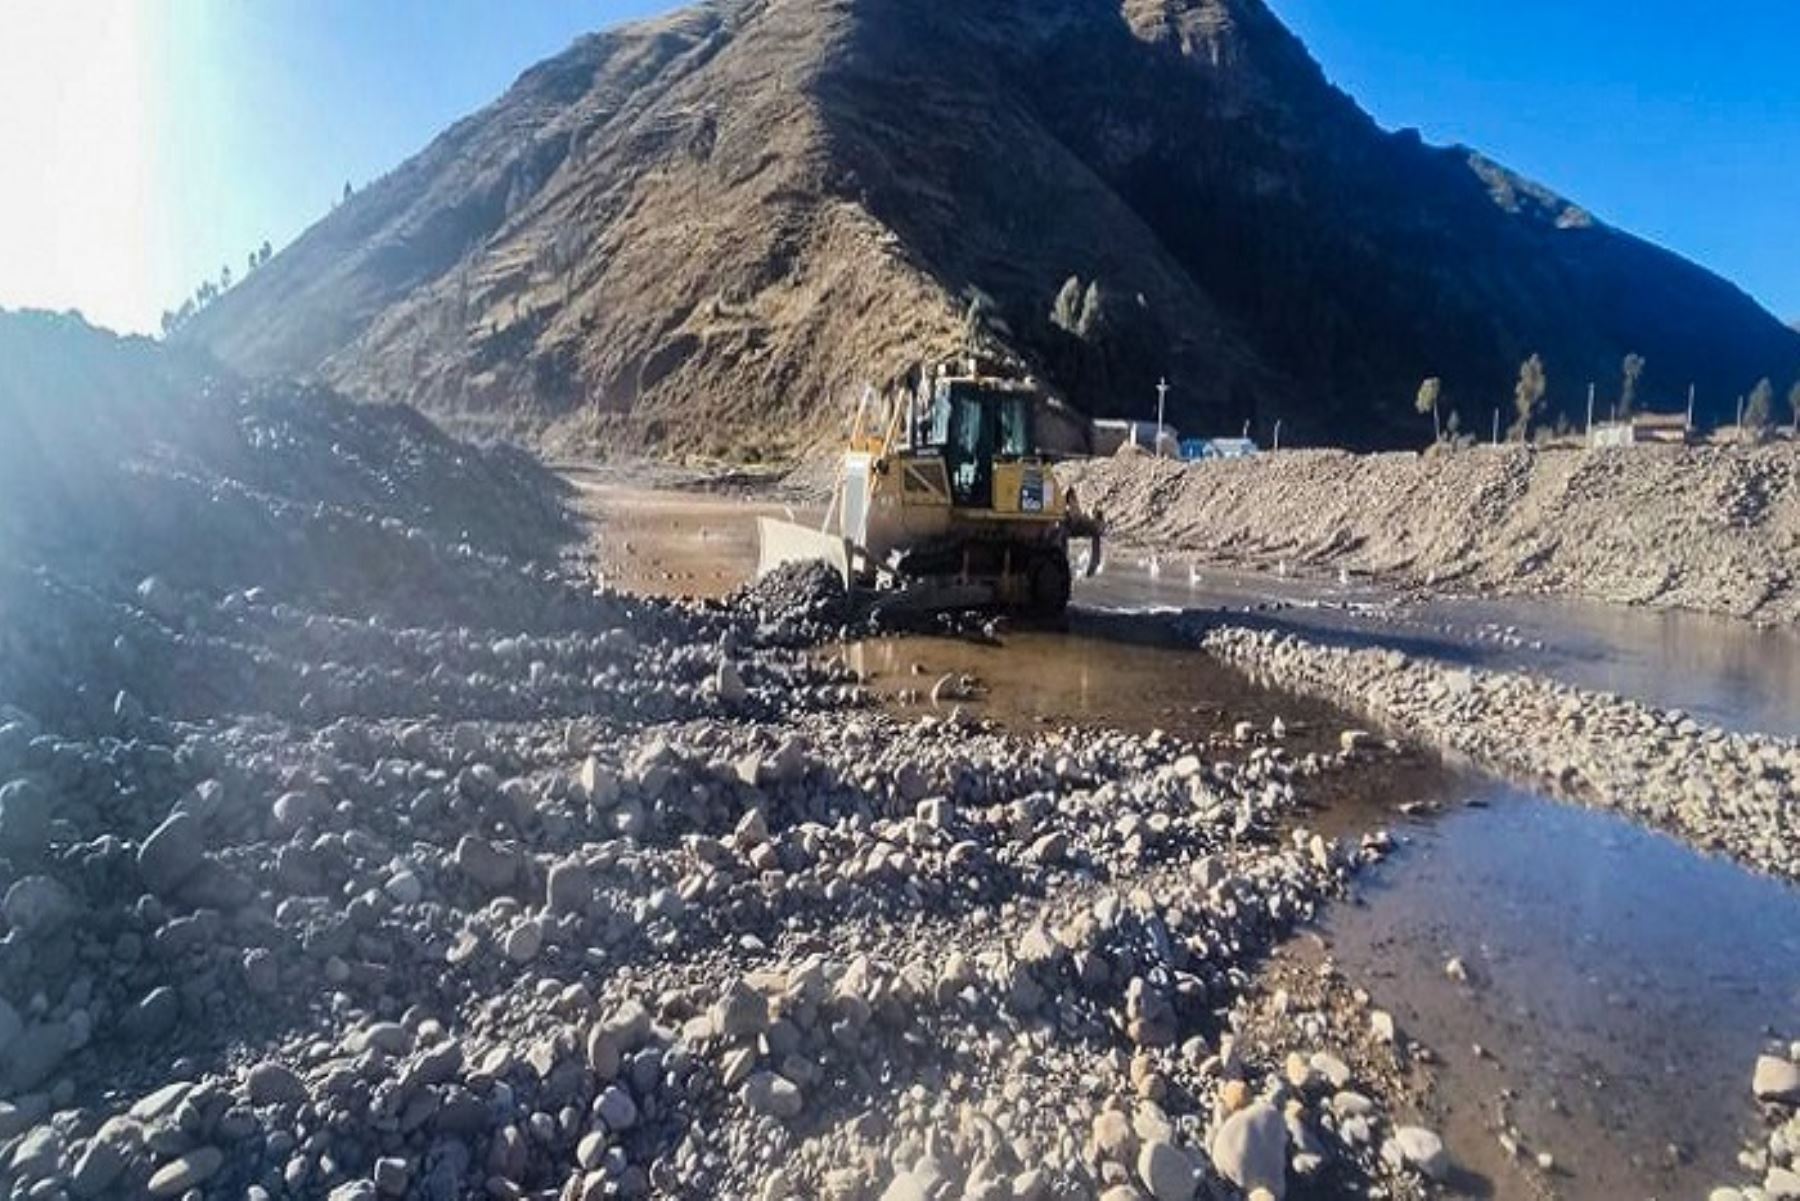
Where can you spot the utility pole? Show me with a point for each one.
(1277, 433)
(1740, 419)
(1162, 396)
(1496, 427)
(1690, 416)
(1590, 423)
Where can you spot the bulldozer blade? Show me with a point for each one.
(782, 542)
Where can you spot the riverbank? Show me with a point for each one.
(1717, 790)
(1708, 529)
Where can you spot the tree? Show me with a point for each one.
(977, 322)
(1633, 367)
(1065, 312)
(264, 253)
(1761, 409)
(347, 191)
(1093, 313)
(1528, 397)
(225, 278)
(1427, 402)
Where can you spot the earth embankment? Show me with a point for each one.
(1710, 529)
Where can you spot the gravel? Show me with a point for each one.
(1774, 1157)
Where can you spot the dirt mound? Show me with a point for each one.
(132, 480)
(1713, 529)
(708, 232)
(807, 596)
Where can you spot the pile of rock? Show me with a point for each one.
(1706, 528)
(649, 936)
(796, 603)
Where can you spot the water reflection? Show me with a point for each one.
(1623, 985)
(1721, 670)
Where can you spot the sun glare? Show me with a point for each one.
(76, 109)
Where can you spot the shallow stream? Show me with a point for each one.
(1621, 984)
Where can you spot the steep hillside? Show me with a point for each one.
(709, 230)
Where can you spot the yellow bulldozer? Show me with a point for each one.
(948, 501)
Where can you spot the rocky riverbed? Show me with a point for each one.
(356, 841)
(1718, 790)
(353, 845)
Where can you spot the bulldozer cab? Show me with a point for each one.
(952, 502)
(974, 425)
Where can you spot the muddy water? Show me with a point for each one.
(1621, 987)
(664, 543)
(1722, 671)
(1030, 677)
(1129, 676)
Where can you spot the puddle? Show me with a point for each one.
(1129, 674)
(1623, 986)
(1032, 678)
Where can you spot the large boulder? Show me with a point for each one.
(38, 905)
(1250, 1149)
(172, 853)
(1776, 1079)
(1167, 1171)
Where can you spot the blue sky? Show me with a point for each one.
(1678, 123)
(149, 142)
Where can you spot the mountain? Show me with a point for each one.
(708, 231)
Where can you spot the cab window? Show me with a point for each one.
(1015, 427)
